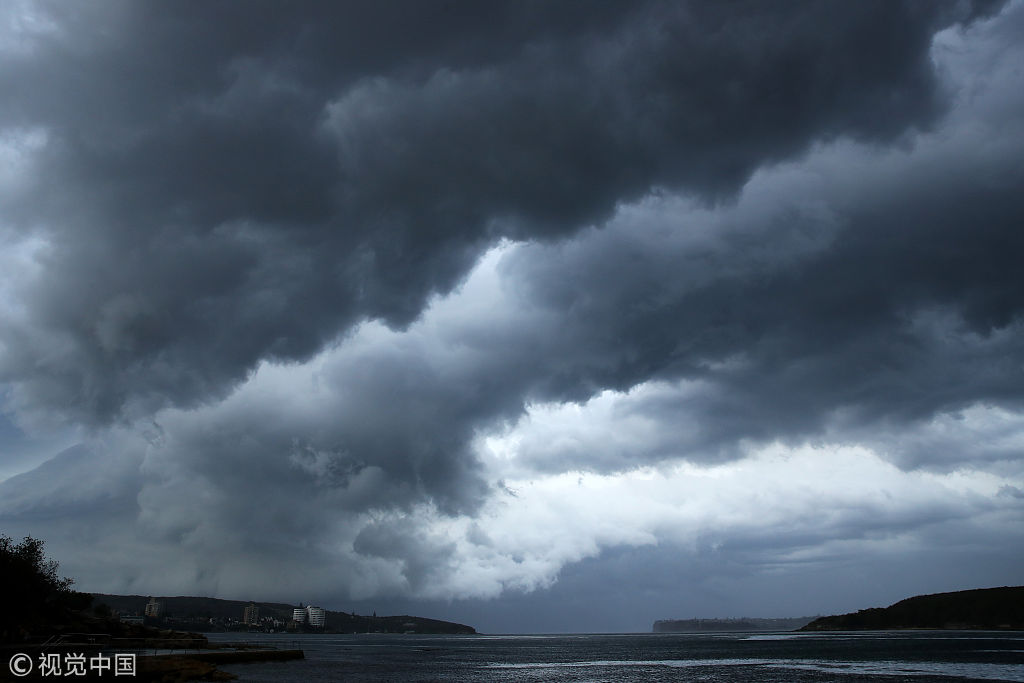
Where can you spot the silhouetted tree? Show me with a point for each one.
(31, 591)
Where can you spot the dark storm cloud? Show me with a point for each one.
(231, 224)
(384, 426)
(880, 314)
(222, 184)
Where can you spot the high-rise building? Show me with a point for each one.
(153, 608)
(251, 615)
(316, 616)
(299, 615)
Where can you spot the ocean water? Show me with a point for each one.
(878, 657)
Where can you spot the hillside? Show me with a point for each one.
(188, 611)
(189, 607)
(983, 608)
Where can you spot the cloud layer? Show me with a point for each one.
(251, 192)
(338, 304)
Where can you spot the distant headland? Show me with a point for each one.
(720, 625)
(982, 608)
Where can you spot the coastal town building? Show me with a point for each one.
(251, 615)
(310, 614)
(315, 616)
(154, 608)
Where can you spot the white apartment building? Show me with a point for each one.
(315, 616)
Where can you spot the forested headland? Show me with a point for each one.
(982, 608)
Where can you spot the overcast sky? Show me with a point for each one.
(540, 316)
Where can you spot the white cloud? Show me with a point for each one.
(778, 507)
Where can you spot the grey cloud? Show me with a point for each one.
(832, 305)
(74, 482)
(703, 196)
(380, 425)
(237, 184)
(677, 583)
(733, 572)
(817, 307)
(423, 560)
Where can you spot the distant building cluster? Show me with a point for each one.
(154, 612)
(251, 619)
(310, 614)
(154, 609)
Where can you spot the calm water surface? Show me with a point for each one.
(885, 657)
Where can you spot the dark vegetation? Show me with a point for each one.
(35, 598)
(40, 608)
(39, 604)
(983, 608)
